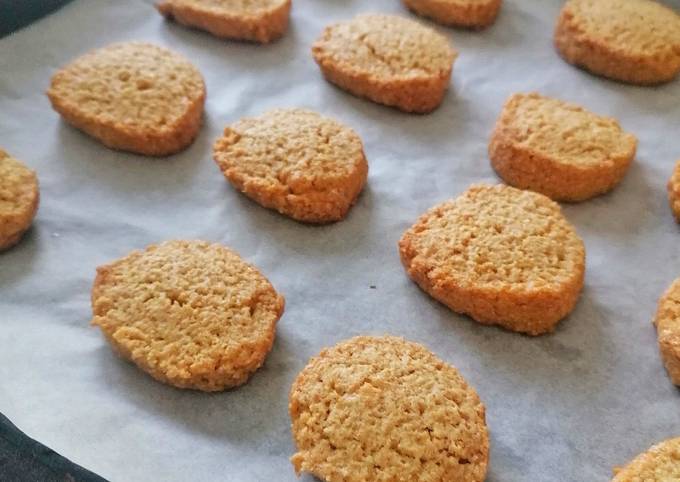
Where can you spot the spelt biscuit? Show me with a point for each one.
(661, 463)
(500, 255)
(255, 20)
(667, 322)
(559, 149)
(633, 41)
(189, 313)
(388, 59)
(295, 161)
(132, 96)
(674, 191)
(457, 13)
(19, 199)
(383, 408)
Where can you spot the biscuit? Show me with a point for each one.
(661, 463)
(19, 199)
(132, 96)
(559, 149)
(667, 322)
(457, 13)
(254, 20)
(383, 408)
(295, 161)
(674, 191)
(388, 59)
(633, 41)
(500, 255)
(189, 313)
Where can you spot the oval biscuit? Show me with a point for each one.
(19, 199)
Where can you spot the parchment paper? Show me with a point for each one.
(564, 407)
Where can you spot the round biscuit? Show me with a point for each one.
(667, 322)
(674, 191)
(189, 313)
(295, 161)
(500, 255)
(383, 408)
(474, 14)
(19, 199)
(388, 59)
(132, 96)
(661, 463)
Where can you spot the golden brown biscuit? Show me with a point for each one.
(634, 41)
(674, 191)
(383, 408)
(295, 161)
(667, 322)
(457, 13)
(500, 255)
(19, 199)
(132, 96)
(388, 59)
(559, 149)
(661, 463)
(255, 20)
(189, 313)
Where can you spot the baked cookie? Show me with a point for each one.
(559, 149)
(383, 408)
(667, 322)
(388, 59)
(255, 20)
(457, 13)
(132, 96)
(661, 463)
(295, 161)
(500, 255)
(189, 313)
(19, 199)
(674, 191)
(634, 41)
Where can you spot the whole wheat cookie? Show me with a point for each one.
(559, 149)
(674, 191)
(19, 199)
(383, 408)
(295, 161)
(475, 14)
(633, 41)
(132, 96)
(661, 463)
(254, 20)
(190, 313)
(388, 59)
(667, 322)
(500, 255)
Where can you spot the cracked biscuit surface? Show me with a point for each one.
(501, 255)
(19, 199)
(559, 149)
(386, 409)
(132, 96)
(667, 322)
(254, 20)
(388, 59)
(295, 161)
(661, 463)
(457, 13)
(190, 313)
(633, 41)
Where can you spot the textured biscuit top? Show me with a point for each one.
(667, 320)
(386, 47)
(237, 7)
(187, 310)
(564, 132)
(134, 85)
(641, 28)
(674, 190)
(18, 189)
(292, 151)
(499, 237)
(385, 409)
(661, 463)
